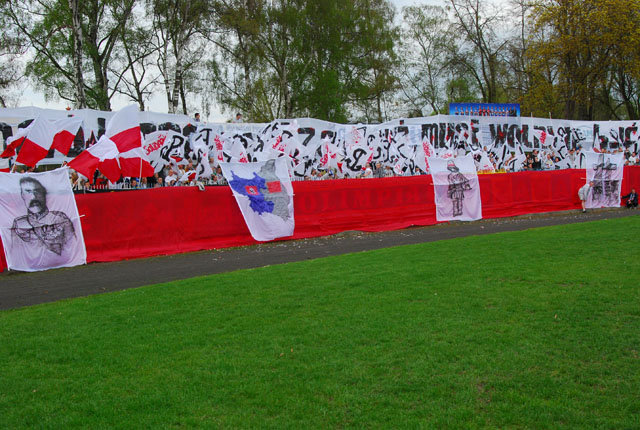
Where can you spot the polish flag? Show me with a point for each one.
(103, 156)
(124, 129)
(37, 142)
(188, 176)
(134, 163)
(13, 142)
(4, 165)
(66, 130)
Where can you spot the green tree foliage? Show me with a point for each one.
(587, 54)
(339, 60)
(289, 58)
(57, 66)
(12, 47)
(179, 27)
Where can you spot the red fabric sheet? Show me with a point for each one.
(134, 224)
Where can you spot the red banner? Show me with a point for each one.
(133, 224)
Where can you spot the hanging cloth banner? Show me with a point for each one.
(605, 170)
(265, 196)
(456, 188)
(40, 225)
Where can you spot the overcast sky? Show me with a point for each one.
(158, 102)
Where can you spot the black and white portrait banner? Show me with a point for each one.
(40, 225)
(456, 188)
(606, 171)
(264, 194)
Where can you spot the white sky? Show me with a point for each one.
(158, 103)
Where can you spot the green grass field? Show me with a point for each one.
(535, 329)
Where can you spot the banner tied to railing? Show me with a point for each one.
(605, 171)
(41, 226)
(456, 189)
(497, 143)
(264, 195)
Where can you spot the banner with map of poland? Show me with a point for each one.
(265, 196)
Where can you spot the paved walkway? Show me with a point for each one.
(24, 289)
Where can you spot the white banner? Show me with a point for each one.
(456, 188)
(606, 171)
(164, 146)
(40, 226)
(265, 196)
(497, 143)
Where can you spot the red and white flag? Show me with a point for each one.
(37, 142)
(66, 130)
(188, 176)
(103, 156)
(134, 163)
(124, 129)
(4, 165)
(13, 142)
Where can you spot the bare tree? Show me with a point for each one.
(477, 23)
(426, 42)
(179, 27)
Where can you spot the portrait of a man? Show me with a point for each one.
(39, 221)
(40, 226)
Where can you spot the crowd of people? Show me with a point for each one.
(548, 159)
(186, 175)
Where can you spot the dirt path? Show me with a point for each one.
(25, 289)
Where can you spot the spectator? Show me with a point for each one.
(368, 171)
(378, 172)
(171, 178)
(548, 163)
(583, 193)
(536, 162)
(632, 199)
(571, 159)
(196, 117)
(238, 119)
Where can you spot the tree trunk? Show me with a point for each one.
(184, 98)
(81, 100)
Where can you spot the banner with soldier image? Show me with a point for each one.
(456, 188)
(40, 225)
(605, 171)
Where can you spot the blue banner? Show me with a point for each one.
(484, 109)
